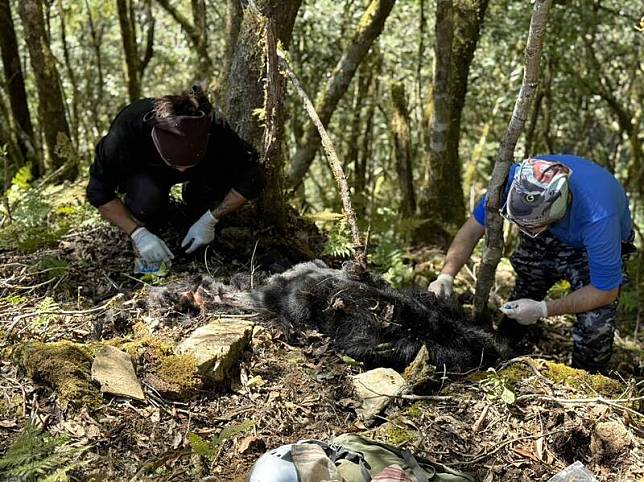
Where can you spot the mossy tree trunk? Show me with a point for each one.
(457, 31)
(245, 95)
(51, 107)
(399, 122)
(197, 32)
(369, 28)
(135, 65)
(15, 83)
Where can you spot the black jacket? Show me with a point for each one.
(128, 148)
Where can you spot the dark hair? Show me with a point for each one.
(189, 102)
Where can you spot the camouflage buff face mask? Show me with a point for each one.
(538, 195)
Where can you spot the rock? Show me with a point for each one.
(113, 369)
(217, 347)
(609, 440)
(375, 389)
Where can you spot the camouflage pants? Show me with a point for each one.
(541, 262)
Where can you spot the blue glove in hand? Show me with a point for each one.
(200, 233)
(525, 311)
(150, 247)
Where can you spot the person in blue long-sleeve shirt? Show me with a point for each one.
(575, 224)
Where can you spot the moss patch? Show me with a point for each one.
(514, 374)
(180, 371)
(144, 344)
(65, 366)
(415, 411)
(582, 381)
(396, 434)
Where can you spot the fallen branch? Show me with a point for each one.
(336, 166)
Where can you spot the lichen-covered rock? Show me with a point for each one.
(375, 388)
(217, 347)
(113, 369)
(63, 365)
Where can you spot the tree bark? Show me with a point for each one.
(51, 107)
(15, 83)
(399, 123)
(369, 28)
(135, 65)
(197, 33)
(246, 96)
(457, 31)
(234, 15)
(96, 36)
(73, 116)
(494, 223)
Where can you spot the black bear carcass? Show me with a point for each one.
(373, 323)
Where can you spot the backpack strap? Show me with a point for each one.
(416, 469)
(337, 452)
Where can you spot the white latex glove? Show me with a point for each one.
(202, 232)
(150, 247)
(525, 311)
(442, 286)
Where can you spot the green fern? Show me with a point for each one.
(208, 448)
(45, 307)
(339, 243)
(37, 455)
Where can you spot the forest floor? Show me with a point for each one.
(524, 421)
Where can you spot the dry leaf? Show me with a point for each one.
(251, 443)
(525, 453)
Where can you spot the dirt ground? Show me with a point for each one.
(82, 291)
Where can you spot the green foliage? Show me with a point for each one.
(40, 215)
(339, 243)
(45, 307)
(37, 455)
(560, 289)
(208, 448)
(388, 255)
(496, 388)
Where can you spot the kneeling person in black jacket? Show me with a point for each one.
(153, 144)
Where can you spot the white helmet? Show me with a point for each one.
(274, 466)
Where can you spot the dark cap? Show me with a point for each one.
(181, 140)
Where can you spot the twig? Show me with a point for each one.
(18, 318)
(503, 444)
(252, 265)
(615, 403)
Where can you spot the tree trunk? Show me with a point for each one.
(73, 118)
(196, 31)
(245, 96)
(16, 86)
(494, 223)
(51, 107)
(399, 123)
(135, 65)
(234, 15)
(458, 29)
(369, 28)
(96, 36)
